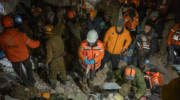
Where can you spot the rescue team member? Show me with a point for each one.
(146, 45)
(130, 78)
(91, 52)
(55, 53)
(95, 22)
(117, 39)
(173, 42)
(14, 44)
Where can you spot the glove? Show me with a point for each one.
(92, 62)
(130, 51)
(86, 61)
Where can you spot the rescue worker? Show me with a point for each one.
(171, 90)
(54, 57)
(173, 43)
(15, 45)
(40, 22)
(131, 79)
(91, 52)
(117, 39)
(95, 22)
(131, 20)
(146, 44)
(73, 41)
(74, 28)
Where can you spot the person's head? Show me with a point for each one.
(92, 37)
(120, 26)
(129, 73)
(48, 29)
(92, 14)
(147, 28)
(7, 22)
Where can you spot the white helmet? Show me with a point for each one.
(92, 36)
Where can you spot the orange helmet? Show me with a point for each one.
(130, 73)
(44, 95)
(92, 13)
(7, 21)
(71, 14)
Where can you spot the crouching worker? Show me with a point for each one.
(132, 82)
(91, 52)
(54, 60)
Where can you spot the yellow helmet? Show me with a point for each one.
(48, 29)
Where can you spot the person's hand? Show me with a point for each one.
(92, 62)
(123, 50)
(86, 61)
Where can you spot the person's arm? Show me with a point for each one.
(128, 40)
(29, 42)
(80, 53)
(141, 85)
(49, 52)
(101, 54)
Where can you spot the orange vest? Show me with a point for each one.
(14, 44)
(96, 53)
(172, 34)
(129, 22)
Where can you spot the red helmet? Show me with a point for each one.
(7, 21)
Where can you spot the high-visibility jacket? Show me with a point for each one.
(174, 37)
(129, 22)
(14, 44)
(91, 52)
(114, 43)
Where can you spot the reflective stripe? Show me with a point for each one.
(28, 41)
(172, 30)
(176, 37)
